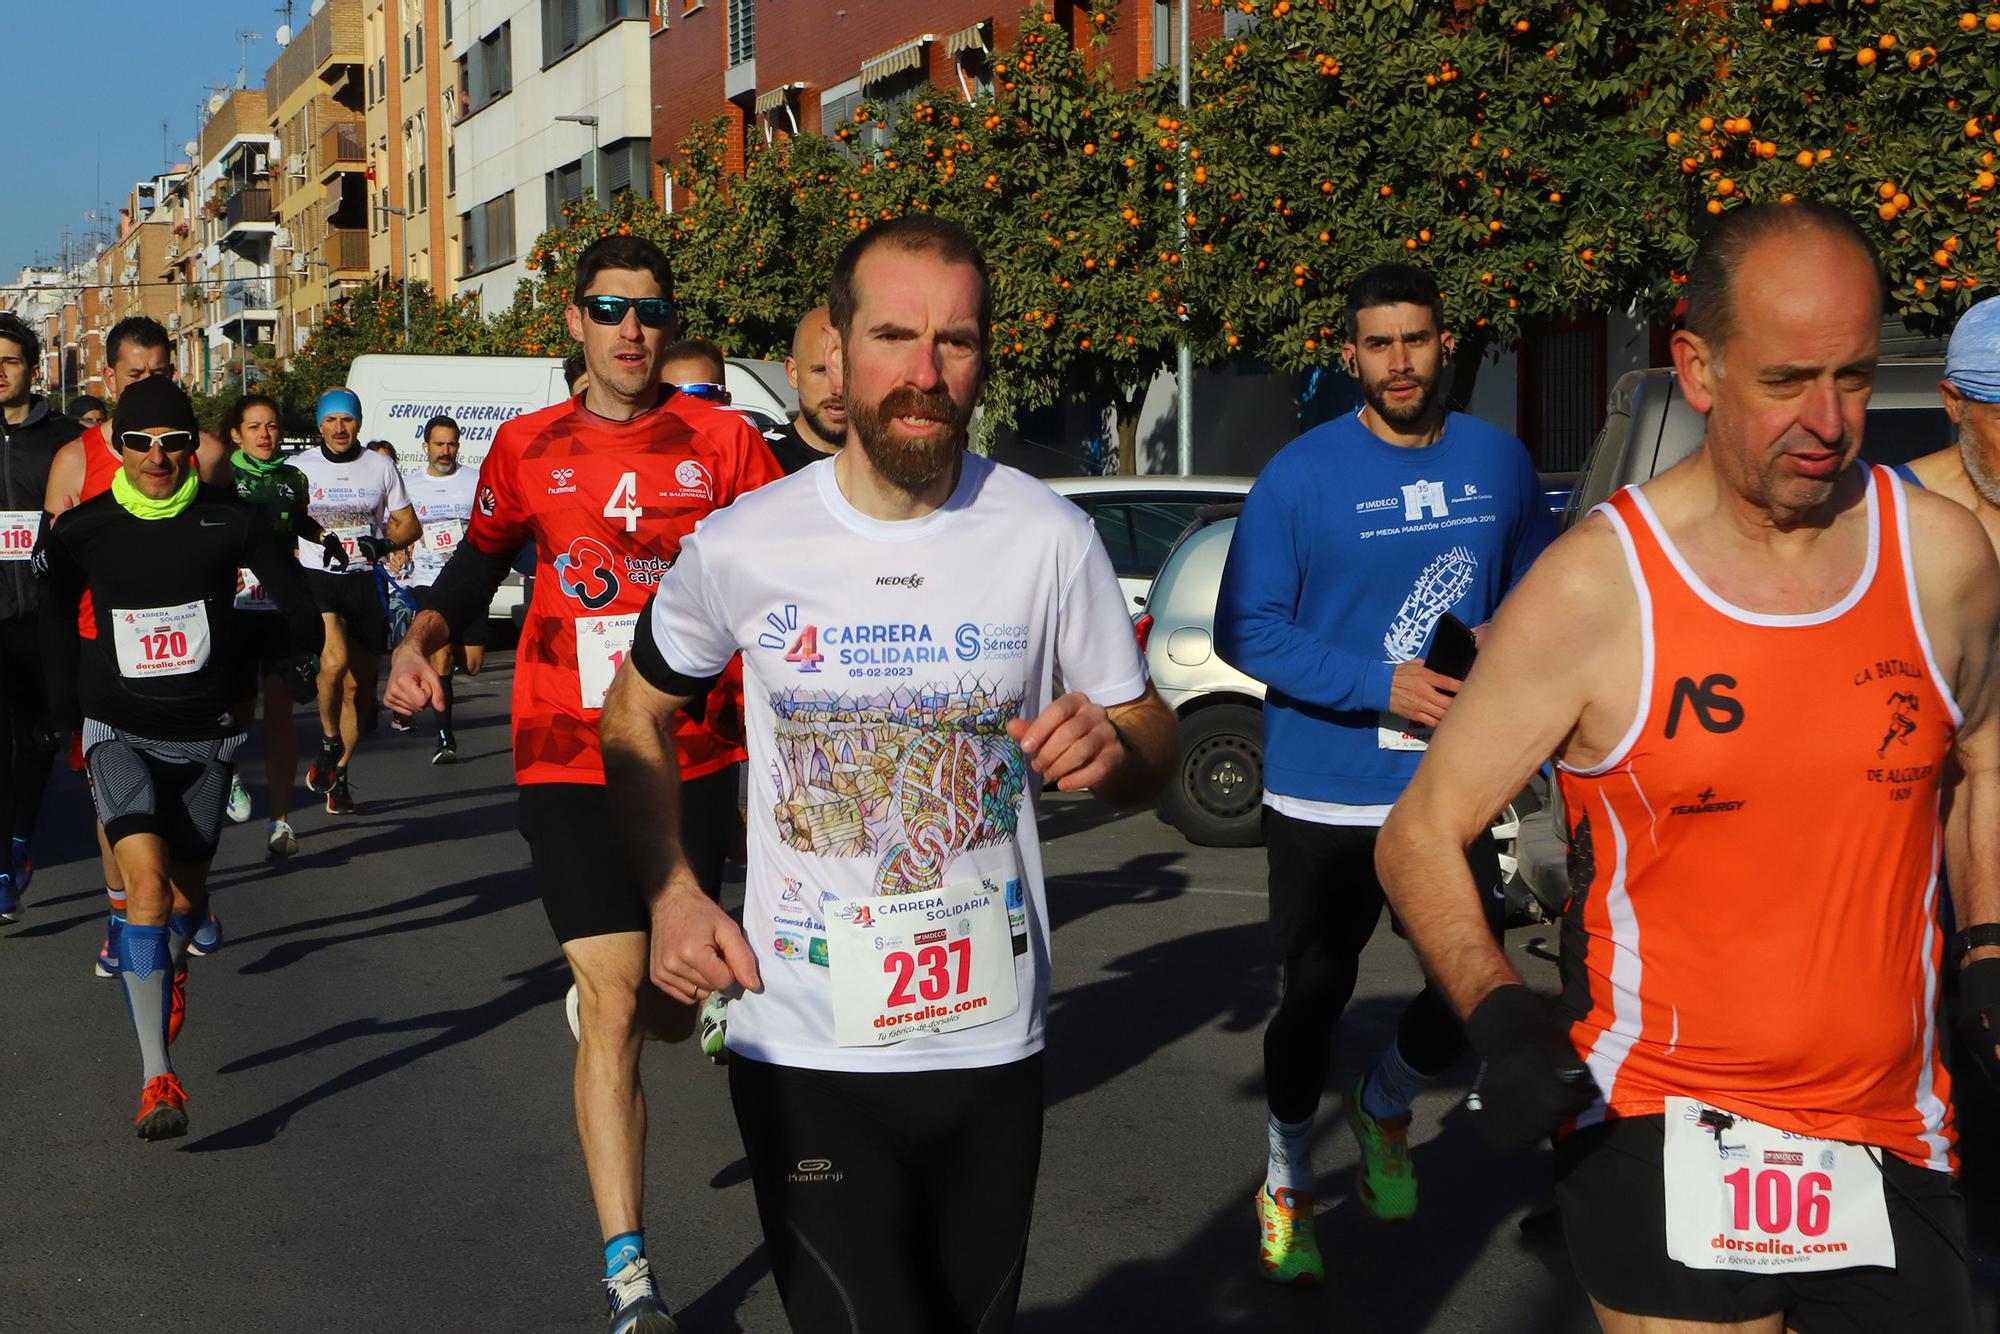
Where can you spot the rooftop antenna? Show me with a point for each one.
(243, 40)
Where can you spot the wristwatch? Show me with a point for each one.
(1975, 937)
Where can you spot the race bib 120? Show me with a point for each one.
(913, 965)
(160, 641)
(1743, 1195)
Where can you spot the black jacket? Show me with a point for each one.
(26, 453)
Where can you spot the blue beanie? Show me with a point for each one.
(338, 400)
(1973, 362)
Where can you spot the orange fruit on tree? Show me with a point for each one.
(1424, 235)
(1920, 285)
(1886, 190)
(1493, 226)
(1485, 277)
(1916, 60)
(1941, 257)
(1725, 186)
(1967, 22)
(1715, 206)
(1902, 201)
(1673, 138)
(1886, 212)
(1520, 25)
(1805, 157)
(1865, 56)
(1707, 123)
(1410, 244)
(1767, 149)
(1824, 46)
(1973, 129)
(1089, 149)
(1983, 181)
(1951, 244)
(1886, 41)
(1993, 23)
(1386, 191)
(1555, 197)
(1947, 284)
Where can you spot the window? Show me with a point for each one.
(836, 108)
(451, 169)
(624, 167)
(424, 186)
(1138, 533)
(381, 76)
(447, 21)
(406, 55)
(1163, 33)
(569, 24)
(418, 62)
(489, 235)
(564, 186)
(742, 31)
(487, 70)
(410, 190)
(892, 97)
(370, 80)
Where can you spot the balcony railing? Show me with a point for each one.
(345, 251)
(250, 204)
(342, 147)
(245, 294)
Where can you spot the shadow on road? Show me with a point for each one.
(716, 1309)
(491, 893)
(536, 987)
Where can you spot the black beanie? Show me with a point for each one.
(151, 404)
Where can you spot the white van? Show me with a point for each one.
(399, 392)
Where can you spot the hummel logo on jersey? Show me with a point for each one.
(1715, 711)
(899, 581)
(1706, 804)
(562, 481)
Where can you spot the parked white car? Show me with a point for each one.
(1140, 518)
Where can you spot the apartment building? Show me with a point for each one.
(314, 94)
(38, 300)
(553, 101)
(776, 68)
(180, 208)
(235, 271)
(410, 96)
(128, 272)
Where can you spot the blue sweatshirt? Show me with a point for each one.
(1348, 551)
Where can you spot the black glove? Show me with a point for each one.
(336, 554)
(371, 547)
(1531, 1079)
(1979, 1014)
(301, 674)
(51, 738)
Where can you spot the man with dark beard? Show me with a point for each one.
(820, 427)
(1356, 540)
(1969, 471)
(901, 720)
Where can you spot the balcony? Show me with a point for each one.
(247, 299)
(248, 213)
(345, 252)
(342, 147)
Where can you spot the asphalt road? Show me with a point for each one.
(382, 1138)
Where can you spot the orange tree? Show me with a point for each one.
(1886, 110)
(370, 319)
(1496, 143)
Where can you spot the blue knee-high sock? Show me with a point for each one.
(621, 1250)
(148, 977)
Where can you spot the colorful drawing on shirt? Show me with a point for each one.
(910, 778)
(1443, 582)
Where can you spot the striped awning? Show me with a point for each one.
(776, 98)
(971, 38)
(895, 60)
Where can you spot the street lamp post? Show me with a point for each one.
(404, 214)
(1184, 357)
(590, 122)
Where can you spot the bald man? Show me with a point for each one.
(1969, 470)
(821, 424)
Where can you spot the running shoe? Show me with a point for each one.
(339, 801)
(636, 1307)
(1289, 1252)
(23, 865)
(162, 1108)
(177, 1007)
(1384, 1179)
(447, 751)
(325, 769)
(207, 937)
(282, 842)
(571, 1013)
(399, 722)
(107, 953)
(238, 809)
(10, 901)
(713, 1027)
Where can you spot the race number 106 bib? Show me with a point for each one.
(601, 645)
(1742, 1195)
(160, 641)
(913, 965)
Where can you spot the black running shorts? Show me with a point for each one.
(583, 871)
(471, 635)
(262, 648)
(1614, 1211)
(357, 601)
(894, 1202)
(175, 789)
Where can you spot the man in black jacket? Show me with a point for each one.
(31, 431)
(155, 691)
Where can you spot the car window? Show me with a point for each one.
(1139, 533)
(1896, 435)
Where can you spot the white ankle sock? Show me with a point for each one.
(1289, 1164)
(1391, 1086)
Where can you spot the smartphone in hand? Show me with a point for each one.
(1452, 648)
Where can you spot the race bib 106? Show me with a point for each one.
(1743, 1195)
(250, 594)
(913, 965)
(160, 641)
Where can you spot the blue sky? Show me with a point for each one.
(89, 83)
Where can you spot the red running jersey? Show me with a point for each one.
(100, 464)
(606, 504)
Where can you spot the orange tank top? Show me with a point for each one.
(1757, 862)
(100, 465)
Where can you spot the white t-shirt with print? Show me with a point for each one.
(881, 662)
(444, 507)
(349, 498)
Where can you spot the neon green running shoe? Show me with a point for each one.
(1384, 1179)
(714, 1026)
(1289, 1252)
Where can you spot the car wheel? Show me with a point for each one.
(1216, 797)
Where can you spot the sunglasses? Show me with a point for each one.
(655, 312)
(142, 442)
(706, 389)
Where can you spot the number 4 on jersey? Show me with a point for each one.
(624, 502)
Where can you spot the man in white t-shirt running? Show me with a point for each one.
(901, 717)
(357, 496)
(442, 494)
